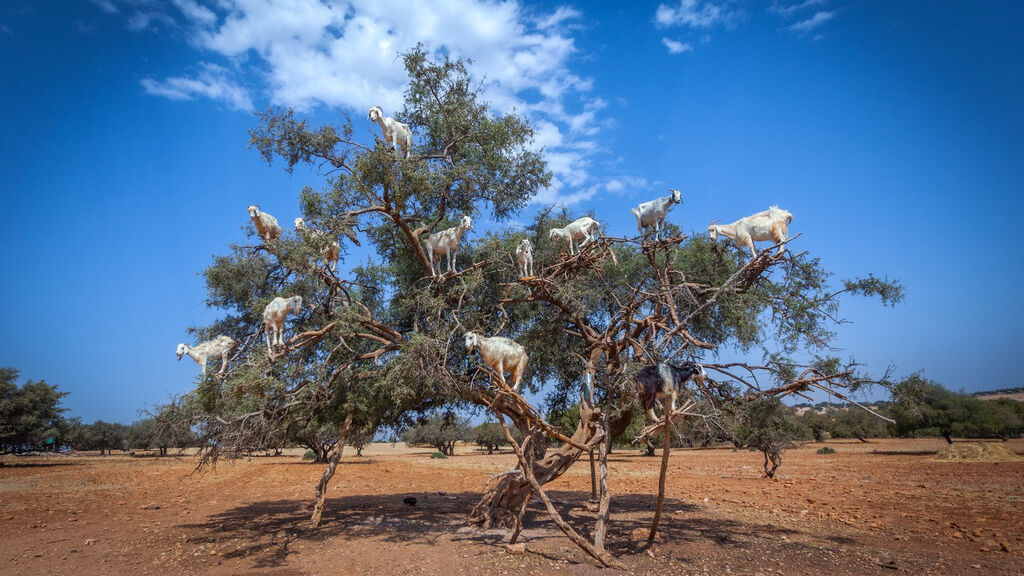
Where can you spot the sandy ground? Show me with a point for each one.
(876, 508)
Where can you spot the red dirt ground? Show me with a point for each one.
(875, 508)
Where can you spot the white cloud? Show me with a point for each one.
(561, 15)
(787, 11)
(695, 14)
(813, 22)
(106, 5)
(310, 53)
(676, 47)
(211, 82)
(194, 11)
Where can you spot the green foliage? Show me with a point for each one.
(388, 337)
(438, 456)
(162, 431)
(30, 414)
(923, 407)
(310, 455)
(103, 436)
(826, 450)
(440, 431)
(488, 435)
(360, 438)
(766, 424)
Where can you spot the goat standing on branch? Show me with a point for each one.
(331, 248)
(266, 225)
(665, 381)
(274, 316)
(204, 351)
(654, 212)
(582, 228)
(500, 354)
(524, 256)
(448, 242)
(772, 224)
(395, 133)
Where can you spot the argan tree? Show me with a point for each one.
(380, 342)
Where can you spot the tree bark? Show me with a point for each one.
(502, 500)
(666, 449)
(321, 487)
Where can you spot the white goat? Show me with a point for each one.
(204, 351)
(582, 228)
(772, 224)
(331, 248)
(395, 133)
(448, 242)
(274, 316)
(500, 354)
(654, 212)
(524, 256)
(266, 225)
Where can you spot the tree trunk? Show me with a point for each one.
(948, 436)
(321, 487)
(502, 500)
(666, 450)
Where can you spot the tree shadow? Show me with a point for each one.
(904, 452)
(266, 531)
(10, 464)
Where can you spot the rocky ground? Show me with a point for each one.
(884, 507)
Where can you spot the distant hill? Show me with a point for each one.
(1011, 393)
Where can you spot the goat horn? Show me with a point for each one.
(713, 222)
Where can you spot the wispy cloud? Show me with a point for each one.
(311, 53)
(676, 47)
(788, 10)
(106, 5)
(819, 18)
(212, 82)
(696, 14)
(804, 25)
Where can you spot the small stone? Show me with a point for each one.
(516, 549)
(90, 541)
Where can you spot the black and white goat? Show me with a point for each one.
(654, 212)
(663, 381)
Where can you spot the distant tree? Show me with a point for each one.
(1009, 417)
(440, 431)
(103, 436)
(489, 435)
(161, 432)
(924, 407)
(766, 424)
(358, 439)
(30, 415)
(315, 436)
(852, 422)
(817, 424)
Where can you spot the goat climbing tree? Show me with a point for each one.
(379, 343)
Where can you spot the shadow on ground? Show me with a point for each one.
(265, 531)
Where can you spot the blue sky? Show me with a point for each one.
(894, 132)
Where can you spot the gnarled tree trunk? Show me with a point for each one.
(503, 499)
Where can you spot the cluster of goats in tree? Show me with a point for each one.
(661, 381)
(379, 344)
